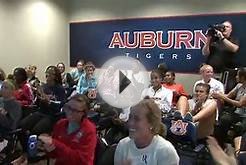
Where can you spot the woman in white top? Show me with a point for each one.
(203, 110)
(163, 97)
(145, 144)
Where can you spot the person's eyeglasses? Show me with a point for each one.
(68, 109)
(201, 91)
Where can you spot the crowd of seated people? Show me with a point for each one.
(66, 140)
(47, 97)
(73, 140)
(50, 98)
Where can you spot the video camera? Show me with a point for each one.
(213, 28)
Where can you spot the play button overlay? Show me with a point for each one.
(124, 81)
(121, 81)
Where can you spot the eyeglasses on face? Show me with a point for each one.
(201, 91)
(68, 109)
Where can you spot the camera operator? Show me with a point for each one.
(220, 47)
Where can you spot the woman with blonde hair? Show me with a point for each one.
(145, 144)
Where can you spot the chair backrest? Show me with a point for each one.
(107, 156)
(241, 158)
(100, 149)
(228, 78)
(243, 143)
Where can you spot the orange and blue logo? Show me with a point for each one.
(178, 127)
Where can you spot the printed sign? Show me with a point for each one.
(177, 41)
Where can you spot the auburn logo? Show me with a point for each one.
(178, 127)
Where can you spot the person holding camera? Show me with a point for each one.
(220, 48)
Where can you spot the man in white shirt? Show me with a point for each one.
(207, 78)
(216, 86)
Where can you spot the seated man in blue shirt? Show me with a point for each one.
(77, 72)
(87, 82)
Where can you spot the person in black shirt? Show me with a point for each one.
(221, 49)
(50, 99)
(67, 80)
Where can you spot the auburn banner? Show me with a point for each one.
(177, 41)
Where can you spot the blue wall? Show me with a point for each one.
(91, 40)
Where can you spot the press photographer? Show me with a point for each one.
(220, 48)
